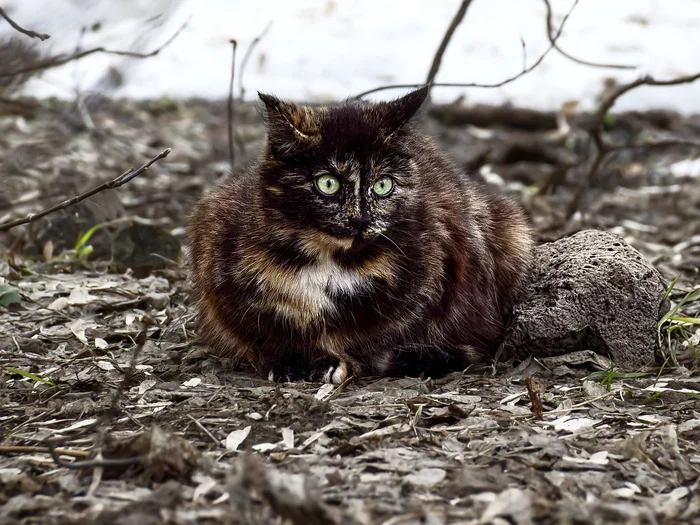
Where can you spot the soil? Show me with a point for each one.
(100, 358)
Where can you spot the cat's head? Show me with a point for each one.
(345, 170)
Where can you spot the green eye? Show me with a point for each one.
(383, 186)
(327, 184)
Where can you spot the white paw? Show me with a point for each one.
(336, 375)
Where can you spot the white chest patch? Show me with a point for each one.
(319, 283)
(310, 291)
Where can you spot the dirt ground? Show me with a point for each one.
(99, 353)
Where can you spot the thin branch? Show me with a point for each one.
(601, 148)
(437, 59)
(476, 84)
(654, 144)
(92, 463)
(231, 151)
(110, 185)
(522, 43)
(247, 56)
(567, 55)
(61, 59)
(17, 27)
(34, 449)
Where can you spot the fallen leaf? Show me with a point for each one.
(236, 438)
(425, 477)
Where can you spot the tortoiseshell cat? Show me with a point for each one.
(352, 246)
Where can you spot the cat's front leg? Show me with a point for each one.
(296, 367)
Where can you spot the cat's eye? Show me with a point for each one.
(383, 186)
(327, 184)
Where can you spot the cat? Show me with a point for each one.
(351, 247)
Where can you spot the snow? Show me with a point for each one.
(332, 49)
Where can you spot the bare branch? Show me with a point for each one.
(62, 59)
(654, 144)
(555, 45)
(115, 183)
(231, 152)
(602, 149)
(247, 56)
(28, 32)
(475, 84)
(437, 59)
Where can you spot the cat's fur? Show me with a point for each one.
(308, 286)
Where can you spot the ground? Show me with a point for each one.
(99, 351)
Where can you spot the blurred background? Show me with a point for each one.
(119, 81)
(329, 49)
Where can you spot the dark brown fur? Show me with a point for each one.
(305, 285)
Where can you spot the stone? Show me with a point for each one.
(589, 291)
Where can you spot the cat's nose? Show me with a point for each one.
(359, 222)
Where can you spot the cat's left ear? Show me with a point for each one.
(401, 110)
(291, 128)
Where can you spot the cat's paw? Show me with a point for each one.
(296, 368)
(337, 374)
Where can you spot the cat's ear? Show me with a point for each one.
(401, 110)
(291, 128)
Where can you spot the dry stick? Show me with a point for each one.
(61, 60)
(475, 84)
(31, 449)
(125, 177)
(140, 341)
(602, 149)
(29, 33)
(567, 55)
(247, 56)
(231, 152)
(437, 59)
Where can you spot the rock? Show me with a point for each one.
(589, 291)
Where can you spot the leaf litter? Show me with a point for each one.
(177, 436)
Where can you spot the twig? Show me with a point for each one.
(653, 144)
(92, 463)
(204, 429)
(125, 177)
(437, 59)
(567, 55)
(231, 152)
(476, 84)
(31, 449)
(602, 149)
(29, 33)
(140, 340)
(61, 59)
(247, 56)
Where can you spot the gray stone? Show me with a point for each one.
(589, 291)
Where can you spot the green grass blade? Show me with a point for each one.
(29, 375)
(85, 237)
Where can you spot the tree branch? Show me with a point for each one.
(125, 177)
(61, 59)
(247, 56)
(555, 45)
(475, 84)
(602, 148)
(437, 59)
(17, 27)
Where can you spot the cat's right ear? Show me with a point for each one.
(291, 128)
